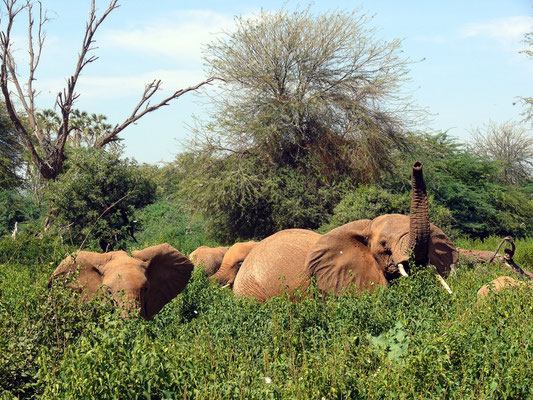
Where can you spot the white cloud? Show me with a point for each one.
(179, 37)
(504, 29)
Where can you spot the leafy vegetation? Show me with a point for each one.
(409, 340)
(309, 130)
(95, 200)
(11, 154)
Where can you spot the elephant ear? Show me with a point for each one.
(341, 257)
(92, 266)
(442, 252)
(167, 271)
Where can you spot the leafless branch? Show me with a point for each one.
(68, 96)
(143, 107)
(46, 146)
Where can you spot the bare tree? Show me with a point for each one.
(47, 148)
(509, 144)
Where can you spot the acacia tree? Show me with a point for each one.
(309, 101)
(47, 147)
(510, 145)
(300, 85)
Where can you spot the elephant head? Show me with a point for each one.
(232, 261)
(149, 279)
(210, 257)
(372, 252)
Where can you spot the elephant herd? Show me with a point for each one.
(361, 254)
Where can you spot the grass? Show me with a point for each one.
(408, 340)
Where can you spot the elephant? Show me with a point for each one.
(232, 261)
(209, 257)
(149, 279)
(506, 260)
(275, 265)
(366, 253)
(499, 284)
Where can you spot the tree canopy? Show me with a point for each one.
(311, 103)
(508, 144)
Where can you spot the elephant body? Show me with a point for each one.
(209, 257)
(148, 280)
(275, 265)
(365, 253)
(499, 284)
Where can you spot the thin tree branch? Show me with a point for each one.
(68, 96)
(149, 91)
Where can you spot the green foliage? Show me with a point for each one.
(367, 202)
(15, 207)
(11, 152)
(31, 247)
(467, 186)
(408, 340)
(242, 199)
(95, 199)
(163, 222)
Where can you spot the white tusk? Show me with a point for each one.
(402, 270)
(225, 286)
(453, 269)
(443, 283)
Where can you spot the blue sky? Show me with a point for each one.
(468, 68)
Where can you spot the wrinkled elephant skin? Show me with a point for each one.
(275, 265)
(232, 261)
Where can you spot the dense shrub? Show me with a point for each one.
(164, 222)
(468, 186)
(243, 199)
(95, 199)
(408, 340)
(15, 207)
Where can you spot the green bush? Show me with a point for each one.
(15, 207)
(95, 199)
(242, 199)
(468, 186)
(163, 222)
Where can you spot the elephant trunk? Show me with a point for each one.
(419, 229)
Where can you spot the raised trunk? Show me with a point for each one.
(419, 230)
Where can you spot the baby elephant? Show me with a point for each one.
(149, 279)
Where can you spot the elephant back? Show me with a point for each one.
(210, 258)
(275, 265)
